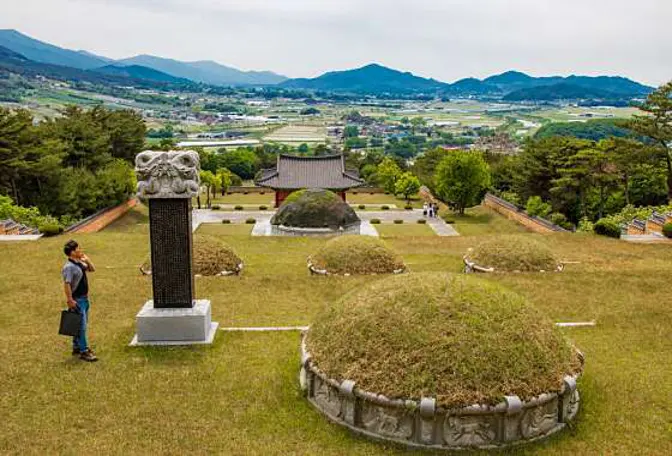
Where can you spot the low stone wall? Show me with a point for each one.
(103, 218)
(422, 424)
(246, 190)
(512, 212)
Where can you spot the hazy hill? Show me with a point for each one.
(140, 72)
(207, 72)
(370, 79)
(12, 62)
(41, 52)
(473, 86)
(560, 91)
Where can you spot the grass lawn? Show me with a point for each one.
(226, 229)
(389, 230)
(481, 220)
(241, 395)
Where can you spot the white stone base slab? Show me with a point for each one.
(211, 338)
(175, 326)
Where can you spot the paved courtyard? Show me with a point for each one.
(263, 218)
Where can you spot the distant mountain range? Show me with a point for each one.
(206, 72)
(33, 56)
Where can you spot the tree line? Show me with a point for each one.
(71, 166)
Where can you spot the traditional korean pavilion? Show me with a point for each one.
(295, 173)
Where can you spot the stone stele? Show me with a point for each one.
(166, 182)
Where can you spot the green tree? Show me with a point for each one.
(350, 131)
(656, 124)
(224, 180)
(425, 165)
(407, 185)
(388, 172)
(462, 178)
(243, 162)
(208, 180)
(536, 207)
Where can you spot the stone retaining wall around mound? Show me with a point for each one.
(423, 425)
(510, 211)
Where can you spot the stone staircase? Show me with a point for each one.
(10, 227)
(653, 226)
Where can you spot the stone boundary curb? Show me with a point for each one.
(424, 425)
(471, 267)
(315, 271)
(148, 272)
(102, 218)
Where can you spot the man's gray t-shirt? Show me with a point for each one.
(72, 274)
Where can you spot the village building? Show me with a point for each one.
(295, 173)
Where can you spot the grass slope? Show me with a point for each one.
(241, 395)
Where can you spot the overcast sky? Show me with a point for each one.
(443, 39)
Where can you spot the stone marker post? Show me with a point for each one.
(167, 181)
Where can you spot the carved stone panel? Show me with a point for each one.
(389, 422)
(327, 398)
(173, 174)
(539, 420)
(468, 430)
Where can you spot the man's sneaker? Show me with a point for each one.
(88, 356)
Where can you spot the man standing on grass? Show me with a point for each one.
(76, 286)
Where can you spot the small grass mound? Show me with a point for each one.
(315, 208)
(513, 253)
(211, 257)
(356, 255)
(456, 338)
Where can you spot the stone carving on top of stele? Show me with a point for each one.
(166, 182)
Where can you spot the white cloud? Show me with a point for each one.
(444, 39)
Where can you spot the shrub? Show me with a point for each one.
(422, 221)
(606, 227)
(385, 207)
(375, 221)
(537, 208)
(262, 193)
(250, 221)
(559, 219)
(216, 207)
(356, 255)
(50, 229)
(361, 207)
(398, 222)
(585, 226)
(464, 339)
(263, 208)
(408, 207)
(667, 230)
(226, 221)
(238, 207)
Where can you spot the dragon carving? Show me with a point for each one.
(173, 174)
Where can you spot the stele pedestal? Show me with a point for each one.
(167, 181)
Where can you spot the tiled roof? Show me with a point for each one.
(294, 172)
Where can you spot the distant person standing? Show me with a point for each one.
(431, 210)
(76, 287)
(425, 207)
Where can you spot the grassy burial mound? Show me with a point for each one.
(315, 208)
(211, 257)
(456, 338)
(355, 255)
(512, 253)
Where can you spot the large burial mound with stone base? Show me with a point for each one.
(512, 253)
(437, 360)
(315, 208)
(355, 255)
(211, 257)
